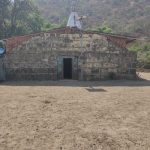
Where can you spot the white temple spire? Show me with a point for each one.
(74, 20)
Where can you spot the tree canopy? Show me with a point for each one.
(19, 17)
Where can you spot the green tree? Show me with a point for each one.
(4, 17)
(25, 17)
(19, 17)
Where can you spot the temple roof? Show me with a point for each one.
(119, 40)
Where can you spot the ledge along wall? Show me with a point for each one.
(94, 57)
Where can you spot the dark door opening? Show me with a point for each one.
(67, 68)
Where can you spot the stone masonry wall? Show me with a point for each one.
(94, 58)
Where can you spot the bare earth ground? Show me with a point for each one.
(72, 115)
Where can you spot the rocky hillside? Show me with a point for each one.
(123, 16)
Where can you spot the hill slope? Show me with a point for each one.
(132, 16)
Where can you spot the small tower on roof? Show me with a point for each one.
(74, 20)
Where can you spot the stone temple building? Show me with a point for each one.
(67, 53)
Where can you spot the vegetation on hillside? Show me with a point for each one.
(122, 16)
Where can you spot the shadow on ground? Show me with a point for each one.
(72, 83)
(92, 89)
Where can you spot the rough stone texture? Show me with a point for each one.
(93, 56)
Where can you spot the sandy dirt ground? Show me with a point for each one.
(72, 115)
